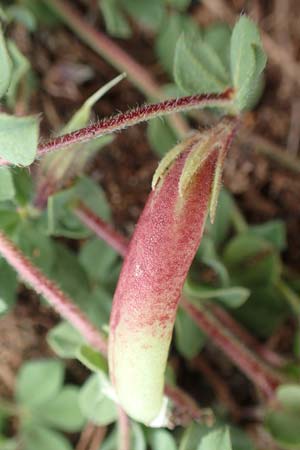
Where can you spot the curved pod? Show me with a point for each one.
(160, 253)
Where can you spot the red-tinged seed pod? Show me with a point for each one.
(160, 253)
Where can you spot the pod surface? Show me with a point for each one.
(160, 253)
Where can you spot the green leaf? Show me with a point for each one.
(197, 68)
(252, 261)
(92, 359)
(273, 231)
(191, 437)
(219, 230)
(70, 275)
(218, 36)
(216, 440)
(115, 20)
(62, 411)
(36, 245)
(188, 337)
(5, 65)
(9, 219)
(161, 440)
(61, 218)
(95, 405)
(147, 14)
(39, 381)
(172, 27)
(247, 60)
(138, 441)
(98, 259)
(285, 428)
(23, 186)
(161, 137)
(19, 13)
(264, 312)
(8, 284)
(20, 69)
(7, 188)
(233, 297)
(3, 306)
(289, 396)
(38, 438)
(64, 340)
(240, 440)
(18, 138)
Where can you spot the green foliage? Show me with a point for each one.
(61, 218)
(247, 61)
(116, 12)
(6, 65)
(96, 406)
(64, 340)
(252, 260)
(7, 189)
(18, 138)
(161, 440)
(202, 64)
(46, 406)
(189, 338)
(115, 19)
(20, 70)
(216, 440)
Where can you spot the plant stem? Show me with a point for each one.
(102, 229)
(236, 328)
(60, 301)
(229, 342)
(124, 441)
(251, 365)
(116, 56)
(133, 117)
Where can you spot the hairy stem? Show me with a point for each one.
(102, 229)
(234, 344)
(249, 363)
(133, 117)
(235, 327)
(60, 301)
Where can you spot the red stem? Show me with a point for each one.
(133, 117)
(230, 342)
(60, 301)
(261, 374)
(102, 229)
(265, 353)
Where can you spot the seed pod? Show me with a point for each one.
(160, 253)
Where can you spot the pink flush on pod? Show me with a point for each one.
(166, 238)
